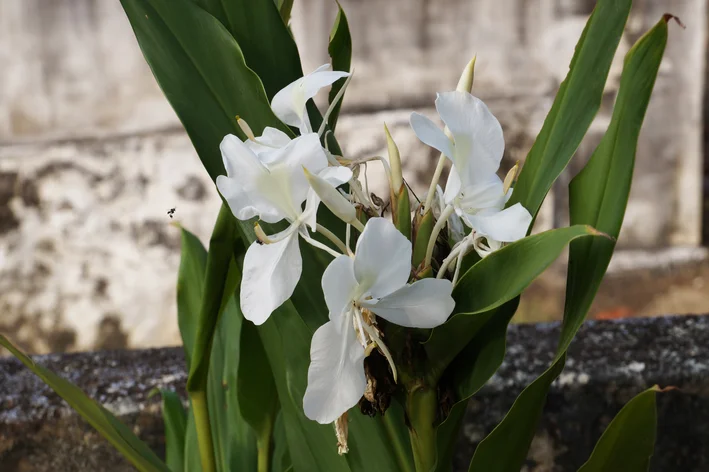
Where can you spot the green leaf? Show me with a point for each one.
(628, 442)
(470, 370)
(285, 7)
(598, 195)
(203, 73)
(493, 281)
(267, 45)
(340, 50)
(221, 280)
(575, 105)
(234, 439)
(258, 399)
(117, 433)
(505, 448)
(234, 443)
(190, 282)
(175, 418)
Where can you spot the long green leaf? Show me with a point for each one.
(175, 419)
(628, 442)
(575, 105)
(190, 283)
(234, 444)
(267, 45)
(203, 73)
(495, 280)
(221, 280)
(117, 433)
(340, 50)
(499, 451)
(258, 398)
(600, 195)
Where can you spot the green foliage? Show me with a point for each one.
(340, 50)
(175, 418)
(202, 72)
(118, 434)
(628, 442)
(575, 105)
(598, 196)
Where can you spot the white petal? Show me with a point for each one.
(427, 131)
(453, 185)
(338, 285)
(382, 259)
(238, 200)
(271, 139)
(426, 303)
(479, 143)
(507, 225)
(336, 379)
(335, 176)
(483, 195)
(240, 187)
(271, 272)
(319, 79)
(287, 105)
(286, 185)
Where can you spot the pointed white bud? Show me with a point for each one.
(465, 84)
(333, 199)
(397, 178)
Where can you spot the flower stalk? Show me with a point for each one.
(422, 406)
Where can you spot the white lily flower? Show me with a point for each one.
(289, 103)
(265, 179)
(474, 191)
(374, 280)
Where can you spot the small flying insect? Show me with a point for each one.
(171, 212)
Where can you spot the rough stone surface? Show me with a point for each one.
(38, 432)
(608, 364)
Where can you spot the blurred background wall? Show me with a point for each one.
(92, 156)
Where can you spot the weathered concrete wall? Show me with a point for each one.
(92, 156)
(608, 363)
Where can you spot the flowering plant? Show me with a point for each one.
(326, 331)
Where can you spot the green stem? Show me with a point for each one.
(263, 445)
(422, 405)
(204, 431)
(402, 455)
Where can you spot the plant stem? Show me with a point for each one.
(442, 220)
(422, 405)
(204, 431)
(263, 444)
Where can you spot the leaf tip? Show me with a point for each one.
(658, 389)
(669, 16)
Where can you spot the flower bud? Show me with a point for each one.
(246, 128)
(333, 199)
(465, 84)
(397, 178)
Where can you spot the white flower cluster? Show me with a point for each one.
(273, 178)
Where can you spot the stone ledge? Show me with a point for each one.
(609, 362)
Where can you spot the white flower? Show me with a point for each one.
(473, 189)
(374, 280)
(289, 104)
(265, 179)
